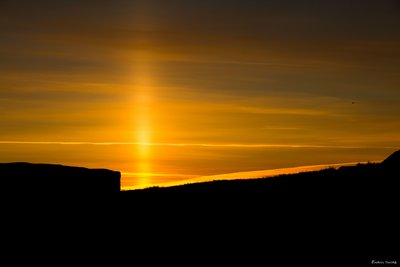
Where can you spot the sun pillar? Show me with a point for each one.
(143, 125)
(144, 73)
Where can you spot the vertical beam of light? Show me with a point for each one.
(143, 127)
(143, 80)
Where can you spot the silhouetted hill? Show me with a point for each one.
(393, 161)
(342, 179)
(339, 216)
(52, 213)
(21, 178)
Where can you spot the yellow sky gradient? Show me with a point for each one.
(165, 93)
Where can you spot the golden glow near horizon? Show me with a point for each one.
(165, 91)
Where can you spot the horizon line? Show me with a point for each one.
(227, 145)
(243, 175)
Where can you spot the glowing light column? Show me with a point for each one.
(143, 127)
(144, 21)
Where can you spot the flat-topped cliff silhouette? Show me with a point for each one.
(44, 179)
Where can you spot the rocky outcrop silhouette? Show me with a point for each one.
(49, 179)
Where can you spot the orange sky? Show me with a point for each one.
(165, 92)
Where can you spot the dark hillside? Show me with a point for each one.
(41, 179)
(339, 217)
(342, 216)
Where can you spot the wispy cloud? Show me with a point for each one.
(287, 111)
(136, 174)
(276, 128)
(231, 145)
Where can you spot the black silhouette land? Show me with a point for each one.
(342, 216)
(43, 179)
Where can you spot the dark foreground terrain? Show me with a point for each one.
(343, 216)
(21, 178)
(340, 217)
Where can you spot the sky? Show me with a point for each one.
(165, 91)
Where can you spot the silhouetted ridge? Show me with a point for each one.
(42, 179)
(393, 160)
(344, 215)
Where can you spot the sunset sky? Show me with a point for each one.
(169, 90)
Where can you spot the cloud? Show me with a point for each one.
(185, 144)
(286, 111)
